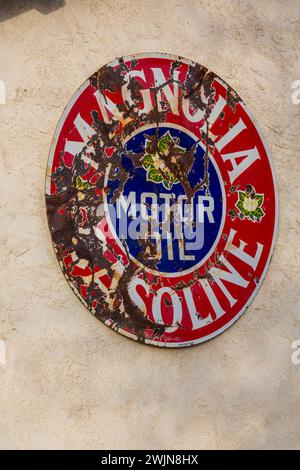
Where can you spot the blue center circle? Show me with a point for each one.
(183, 239)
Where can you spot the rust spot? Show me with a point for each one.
(72, 210)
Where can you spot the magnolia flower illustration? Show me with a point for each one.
(249, 204)
(154, 164)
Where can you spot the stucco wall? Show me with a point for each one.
(67, 381)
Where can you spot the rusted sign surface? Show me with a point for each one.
(161, 200)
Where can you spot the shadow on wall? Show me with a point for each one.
(11, 8)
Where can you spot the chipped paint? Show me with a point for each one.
(125, 99)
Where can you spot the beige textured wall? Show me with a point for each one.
(70, 382)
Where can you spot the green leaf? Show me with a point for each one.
(258, 212)
(259, 198)
(167, 184)
(179, 149)
(79, 182)
(154, 175)
(240, 206)
(246, 213)
(242, 196)
(148, 161)
(163, 143)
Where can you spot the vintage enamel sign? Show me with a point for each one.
(161, 200)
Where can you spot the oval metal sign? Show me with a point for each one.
(161, 200)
